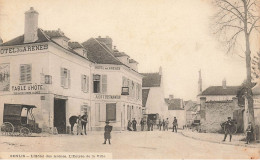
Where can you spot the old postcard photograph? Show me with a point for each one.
(130, 79)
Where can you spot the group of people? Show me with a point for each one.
(81, 122)
(229, 124)
(162, 125)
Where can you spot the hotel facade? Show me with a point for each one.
(64, 78)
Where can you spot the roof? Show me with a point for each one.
(151, 80)
(116, 53)
(174, 104)
(55, 34)
(194, 108)
(42, 37)
(145, 93)
(219, 90)
(100, 53)
(20, 39)
(75, 45)
(132, 61)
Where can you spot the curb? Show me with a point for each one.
(242, 145)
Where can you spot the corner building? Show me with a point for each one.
(64, 78)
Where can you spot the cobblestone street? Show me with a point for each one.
(154, 145)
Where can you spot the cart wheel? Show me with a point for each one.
(7, 128)
(25, 131)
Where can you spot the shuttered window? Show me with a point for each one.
(84, 83)
(65, 78)
(25, 73)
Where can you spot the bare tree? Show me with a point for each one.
(236, 20)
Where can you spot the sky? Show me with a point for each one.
(173, 34)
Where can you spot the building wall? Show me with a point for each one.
(216, 113)
(217, 97)
(156, 105)
(180, 115)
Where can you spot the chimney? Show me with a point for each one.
(160, 70)
(224, 84)
(31, 26)
(171, 97)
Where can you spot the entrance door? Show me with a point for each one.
(60, 115)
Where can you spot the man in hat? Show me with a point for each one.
(142, 124)
(84, 121)
(227, 126)
(175, 124)
(134, 122)
(107, 134)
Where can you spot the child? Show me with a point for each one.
(107, 134)
(249, 132)
(79, 126)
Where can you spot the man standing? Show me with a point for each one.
(151, 124)
(228, 128)
(84, 121)
(160, 124)
(129, 125)
(249, 132)
(167, 124)
(134, 124)
(175, 124)
(142, 124)
(107, 134)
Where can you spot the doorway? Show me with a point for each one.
(60, 115)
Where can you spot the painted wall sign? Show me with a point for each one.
(22, 49)
(28, 89)
(107, 68)
(4, 77)
(100, 96)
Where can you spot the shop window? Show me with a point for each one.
(84, 83)
(111, 111)
(65, 78)
(25, 73)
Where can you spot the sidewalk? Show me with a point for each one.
(217, 138)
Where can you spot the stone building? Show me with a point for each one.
(64, 78)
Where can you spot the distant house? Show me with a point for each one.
(217, 103)
(153, 94)
(176, 109)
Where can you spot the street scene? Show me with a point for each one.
(130, 79)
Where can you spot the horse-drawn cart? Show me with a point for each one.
(19, 120)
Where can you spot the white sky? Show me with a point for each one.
(174, 34)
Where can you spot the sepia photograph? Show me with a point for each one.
(130, 79)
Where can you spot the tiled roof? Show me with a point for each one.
(75, 45)
(151, 80)
(132, 61)
(145, 93)
(174, 104)
(194, 108)
(20, 39)
(100, 53)
(55, 33)
(219, 90)
(119, 54)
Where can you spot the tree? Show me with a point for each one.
(236, 20)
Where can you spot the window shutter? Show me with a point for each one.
(22, 73)
(62, 82)
(28, 73)
(104, 83)
(82, 82)
(87, 79)
(68, 78)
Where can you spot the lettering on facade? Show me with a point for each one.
(30, 48)
(107, 68)
(28, 89)
(108, 96)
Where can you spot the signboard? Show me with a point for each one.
(27, 89)
(100, 96)
(4, 77)
(21, 49)
(107, 67)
